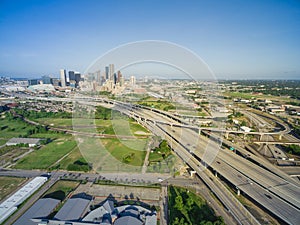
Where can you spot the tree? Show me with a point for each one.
(179, 203)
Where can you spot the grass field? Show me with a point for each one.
(61, 189)
(120, 150)
(55, 121)
(259, 96)
(3, 141)
(116, 126)
(9, 185)
(74, 158)
(48, 154)
(13, 128)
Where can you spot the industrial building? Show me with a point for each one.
(106, 214)
(74, 208)
(30, 141)
(10, 205)
(40, 209)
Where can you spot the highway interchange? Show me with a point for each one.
(274, 190)
(255, 177)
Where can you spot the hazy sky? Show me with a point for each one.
(237, 39)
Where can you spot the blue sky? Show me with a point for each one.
(236, 38)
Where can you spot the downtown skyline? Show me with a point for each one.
(237, 39)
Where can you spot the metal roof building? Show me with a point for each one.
(30, 141)
(128, 220)
(10, 205)
(73, 209)
(40, 209)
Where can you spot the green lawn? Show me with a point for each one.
(10, 128)
(9, 185)
(158, 104)
(48, 154)
(116, 126)
(74, 161)
(55, 121)
(61, 189)
(121, 150)
(3, 141)
(188, 208)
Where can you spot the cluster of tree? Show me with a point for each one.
(276, 88)
(164, 149)
(128, 158)
(3, 108)
(293, 149)
(79, 165)
(31, 114)
(186, 208)
(103, 113)
(159, 104)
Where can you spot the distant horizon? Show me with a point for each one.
(237, 39)
(176, 78)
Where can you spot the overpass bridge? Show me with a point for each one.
(278, 142)
(274, 191)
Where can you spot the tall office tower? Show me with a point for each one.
(111, 71)
(115, 78)
(106, 72)
(54, 81)
(119, 76)
(33, 82)
(132, 80)
(46, 79)
(98, 76)
(77, 78)
(63, 77)
(71, 75)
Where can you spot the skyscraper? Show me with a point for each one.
(71, 75)
(106, 72)
(111, 71)
(132, 81)
(63, 77)
(46, 79)
(119, 76)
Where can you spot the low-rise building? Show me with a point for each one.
(30, 141)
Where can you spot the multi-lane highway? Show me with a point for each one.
(272, 189)
(275, 192)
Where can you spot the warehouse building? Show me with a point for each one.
(10, 205)
(30, 141)
(40, 209)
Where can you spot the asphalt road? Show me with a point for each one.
(279, 195)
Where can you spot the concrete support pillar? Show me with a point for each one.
(238, 191)
(226, 135)
(245, 136)
(261, 136)
(280, 137)
(192, 173)
(199, 131)
(216, 174)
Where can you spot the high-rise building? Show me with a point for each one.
(33, 82)
(98, 76)
(77, 78)
(111, 71)
(71, 75)
(132, 81)
(106, 72)
(119, 76)
(46, 79)
(63, 77)
(115, 78)
(54, 81)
